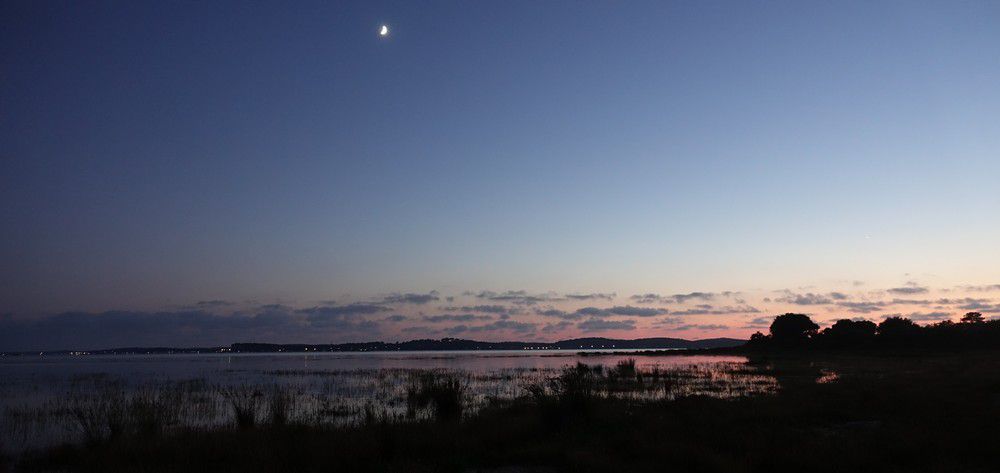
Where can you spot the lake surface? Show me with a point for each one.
(42, 397)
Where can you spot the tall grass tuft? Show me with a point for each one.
(445, 394)
(101, 416)
(245, 402)
(151, 411)
(279, 407)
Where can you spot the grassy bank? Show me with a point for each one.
(831, 413)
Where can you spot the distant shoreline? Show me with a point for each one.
(445, 344)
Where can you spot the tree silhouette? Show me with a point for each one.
(849, 332)
(898, 330)
(790, 329)
(973, 318)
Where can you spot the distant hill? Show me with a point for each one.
(444, 344)
(447, 344)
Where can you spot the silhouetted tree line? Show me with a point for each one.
(798, 331)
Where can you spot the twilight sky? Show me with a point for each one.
(196, 173)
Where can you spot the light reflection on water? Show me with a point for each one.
(37, 394)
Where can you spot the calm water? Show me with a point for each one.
(38, 395)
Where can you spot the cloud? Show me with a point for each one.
(806, 299)
(584, 312)
(410, 298)
(591, 296)
(419, 328)
(668, 321)
(213, 303)
(863, 307)
(395, 318)
(561, 314)
(557, 327)
(648, 298)
(500, 325)
(897, 301)
(488, 309)
(183, 328)
(516, 297)
(980, 306)
(351, 309)
(929, 316)
(759, 323)
(594, 324)
(703, 327)
(702, 296)
(455, 318)
(651, 298)
(706, 309)
(343, 318)
(985, 288)
(636, 311)
(910, 287)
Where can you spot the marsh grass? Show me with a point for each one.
(880, 414)
(100, 408)
(245, 402)
(444, 394)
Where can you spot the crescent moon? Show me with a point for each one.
(384, 31)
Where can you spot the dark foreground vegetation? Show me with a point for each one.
(857, 396)
(832, 413)
(798, 333)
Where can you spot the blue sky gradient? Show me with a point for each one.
(158, 154)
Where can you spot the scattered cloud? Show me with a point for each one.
(592, 296)
(410, 298)
(651, 298)
(635, 311)
(863, 307)
(807, 298)
(455, 318)
(984, 288)
(420, 329)
(500, 325)
(909, 288)
(594, 324)
(213, 304)
(759, 323)
(561, 314)
(557, 327)
(627, 310)
(979, 305)
(668, 321)
(487, 309)
(183, 328)
(703, 327)
(516, 297)
(343, 318)
(350, 309)
(707, 309)
(929, 316)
